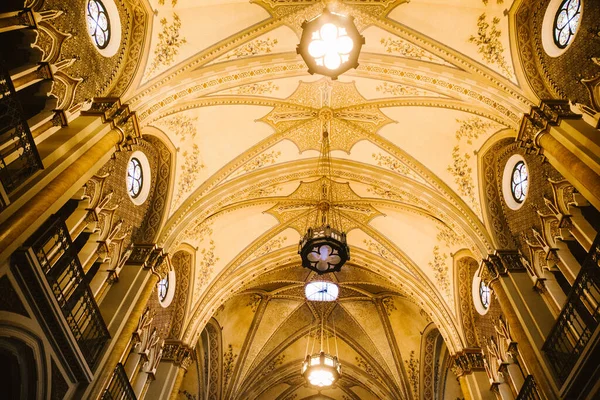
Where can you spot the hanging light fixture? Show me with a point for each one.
(321, 369)
(324, 247)
(330, 44)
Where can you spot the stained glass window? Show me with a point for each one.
(566, 22)
(321, 291)
(163, 288)
(135, 178)
(484, 294)
(98, 23)
(519, 182)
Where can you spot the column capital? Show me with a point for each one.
(468, 361)
(535, 123)
(120, 117)
(178, 353)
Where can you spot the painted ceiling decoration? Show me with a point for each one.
(406, 131)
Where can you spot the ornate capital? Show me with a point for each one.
(468, 361)
(120, 118)
(511, 260)
(178, 353)
(536, 122)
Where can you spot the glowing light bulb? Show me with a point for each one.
(332, 60)
(344, 44)
(329, 32)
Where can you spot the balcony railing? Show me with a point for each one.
(59, 289)
(578, 320)
(529, 390)
(19, 158)
(119, 387)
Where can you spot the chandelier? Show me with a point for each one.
(324, 247)
(330, 44)
(321, 369)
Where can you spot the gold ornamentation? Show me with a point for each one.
(388, 305)
(399, 90)
(182, 125)
(301, 206)
(407, 49)
(472, 128)
(191, 168)
(440, 267)
(395, 165)
(448, 236)
(462, 174)
(206, 264)
(488, 43)
(253, 48)
(169, 43)
(273, 364)
(229, 359)
(254, 89)
(262, 160)
(412, 365)
(378, 248)
(270, 246)
(254, 302)
(365, 366)
(162, 2)
(324, 104)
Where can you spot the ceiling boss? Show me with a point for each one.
(330, 44)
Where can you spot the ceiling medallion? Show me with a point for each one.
(324, 247)
(330, 44)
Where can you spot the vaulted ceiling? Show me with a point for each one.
(436, 86)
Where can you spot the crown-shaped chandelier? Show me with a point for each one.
(330, 44)
(321, 369)
(324, 248)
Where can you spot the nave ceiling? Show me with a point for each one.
(224, 87)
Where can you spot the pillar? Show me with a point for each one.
(120, 345)
(530, 355)
(19, 225)
(570, 144)
(469, 367)
(17, 20)
(176, 359)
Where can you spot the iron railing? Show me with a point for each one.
(119, 387)
(578, 319)
(19, 158)
(59, 262)
(529, 390)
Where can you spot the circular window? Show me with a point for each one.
(481, 295)
(515, 182)
(165, 289)
(484, 294)
(519, 182)
(137, 178)
(98, 23)
(560, 25)
(566, 22)
(321, 291)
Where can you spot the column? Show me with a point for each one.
(570, 144)
(124, 339)
(469, 367)
(36, 205)
(176, 358)
(530, 355)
